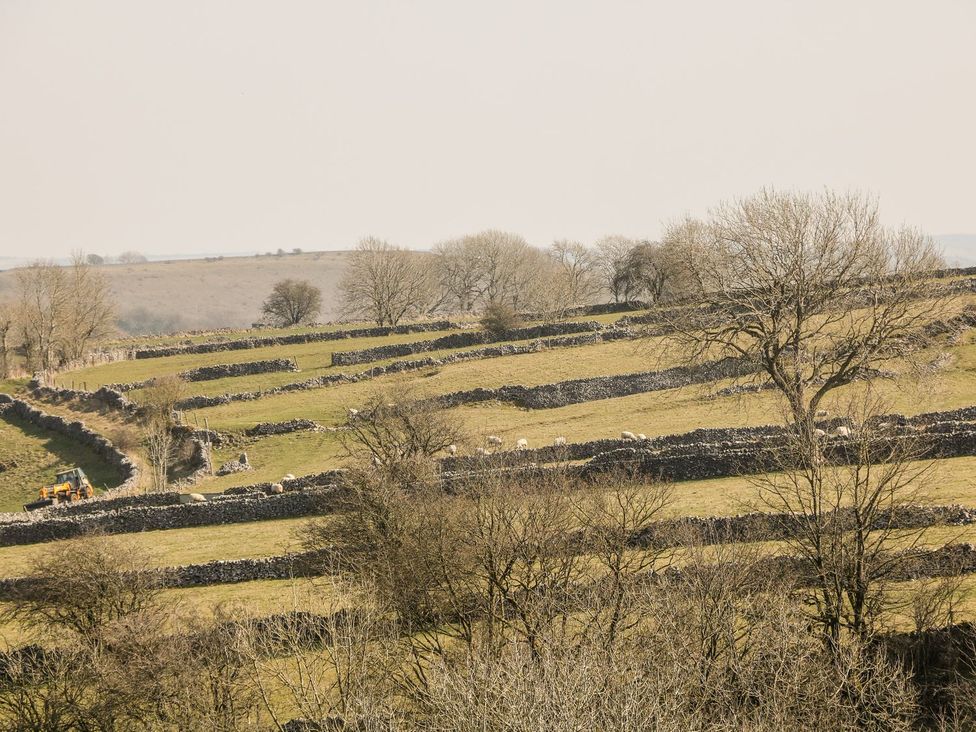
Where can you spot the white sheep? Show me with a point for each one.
(287, 476)
(628, 436)
(559, 442)
(494, 440)
(277, 488)
(641, 436)
(480, 451)
(819, 433)
(451, 449)
(353, 412)
(197, 498)
(842, 431)
(521, 444)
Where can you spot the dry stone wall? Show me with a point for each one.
(105, 396)
(497, 351)
(576, 391)
(755, 527)
(460, 340)
(220, 371)
(293, 339)
(266, 429)
(231, 509)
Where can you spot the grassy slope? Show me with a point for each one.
(39, 455)
(203, 294)
(181, 546)
(310, 357)
(329, 404)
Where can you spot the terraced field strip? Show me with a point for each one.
(179, 546)
(329, 406)
(30, 456)
(310, 356)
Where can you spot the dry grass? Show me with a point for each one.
(212, 294)
(180, 546)
(32, 456)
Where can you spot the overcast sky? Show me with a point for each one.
(177, 127)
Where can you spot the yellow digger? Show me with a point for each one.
(69, 485)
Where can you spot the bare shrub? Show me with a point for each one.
(843, 502)
(158, 405)
(499, 318)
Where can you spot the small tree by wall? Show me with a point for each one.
(158, 404)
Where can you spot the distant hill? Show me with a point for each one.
(960, 249)
(209, 293)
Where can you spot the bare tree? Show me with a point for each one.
(43, 298)
(7, 328)
(387, 432)
(655, 271)
(132, 257)
(62, 311)
(576, 264)
(91, 312)
(158, 404)
(511, 269)
(844, 498)
(387, 283)
(292, 302)
(612, 263)
(812, 289)
(459, 267)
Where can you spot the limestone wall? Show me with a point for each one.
(220, 371)
(576, 391)
(46, 526)
(496, 351)
(461, 340)
(293, 338)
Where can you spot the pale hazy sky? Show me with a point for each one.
(176, 126)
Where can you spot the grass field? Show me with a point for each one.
(180, 546)
(32, 456)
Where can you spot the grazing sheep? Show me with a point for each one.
(480, 451)
(493, 440)
(377, 462)
(842, 431)
(287, 476)
(641, 436)
(819, 433)
(451, 449)
(628, 436)
(559, 442)
(521, 444)
(353, 412)
(197, 498)
(277, 488)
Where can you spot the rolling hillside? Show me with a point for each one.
(208, 293)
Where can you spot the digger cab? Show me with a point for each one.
(75, 477)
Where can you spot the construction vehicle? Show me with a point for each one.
(69, 485)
